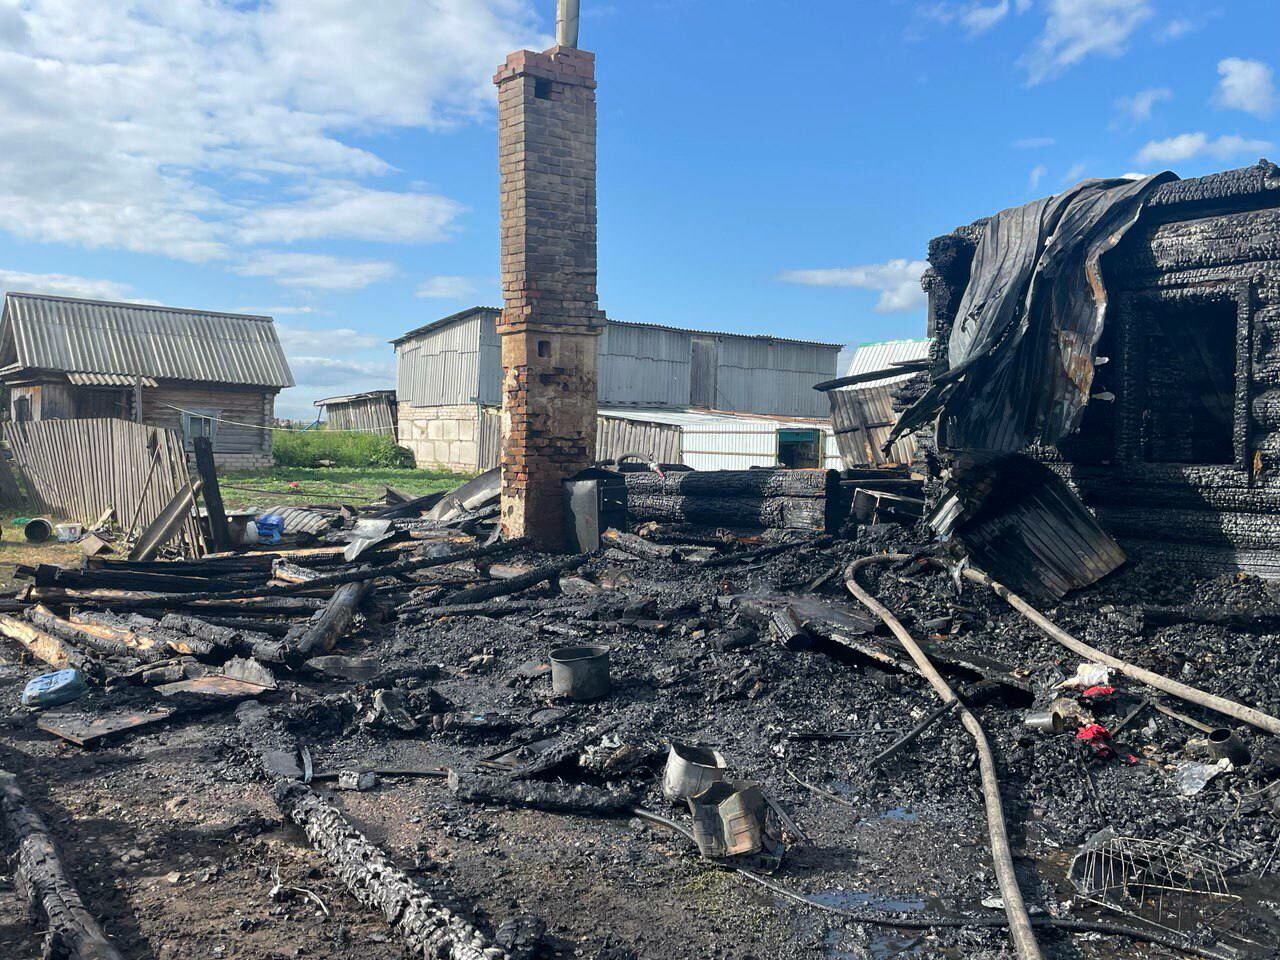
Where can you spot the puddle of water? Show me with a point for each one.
(856, 900)
(900, 813)
(840, 945)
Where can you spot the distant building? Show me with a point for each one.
(203, 373)
(754, 394)
(370, 412)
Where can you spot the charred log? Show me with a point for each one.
(73, 933)
(427, 927)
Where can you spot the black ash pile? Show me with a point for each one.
(718, 700)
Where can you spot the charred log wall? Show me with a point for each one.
(1179, 451)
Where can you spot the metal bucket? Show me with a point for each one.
(38, 530)
(1223, 742)
(728, 819)
(580, 673)
(690, 771)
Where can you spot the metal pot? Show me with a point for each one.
(580, 673)
(38, 530)
(691, 770)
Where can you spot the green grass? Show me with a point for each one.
(14, 550)
(307, 448)
(354, 485)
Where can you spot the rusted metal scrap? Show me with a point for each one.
(74, 933)
(427, 927)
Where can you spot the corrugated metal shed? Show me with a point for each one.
(440, 366)
(458, 360)
(94, 336)
(883, 354)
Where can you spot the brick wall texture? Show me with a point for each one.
(551, 317)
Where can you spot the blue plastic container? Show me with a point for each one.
(52, 689)
(269, 528)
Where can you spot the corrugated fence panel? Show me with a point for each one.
(76, 469)
(616, 437)
(490, 436)
(367, 414)
(872, 406)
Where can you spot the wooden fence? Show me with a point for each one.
(76, 469)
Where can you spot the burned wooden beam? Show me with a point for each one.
(501, 588)
(638, 546)
(74, 933)
(788, 513)
(427, 927)
(333, 580)
(320, 635)
(46, 647)
(734, 484)
(100, 640)
(219, 529)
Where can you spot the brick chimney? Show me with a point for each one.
(551, 317)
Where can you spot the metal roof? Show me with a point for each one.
(470, 311)
(869, 357)
(65, 334)
(109, 380)
(352, 397)
(713, 419)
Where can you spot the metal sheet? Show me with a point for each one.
(869, 357)
(94, 336)
(1021, 350)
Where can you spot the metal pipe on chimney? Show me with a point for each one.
(567, 23)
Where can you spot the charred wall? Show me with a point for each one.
(1179, 449)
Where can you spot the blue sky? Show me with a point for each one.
(764, 167)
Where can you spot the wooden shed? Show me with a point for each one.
(371, 412)
(198, 372)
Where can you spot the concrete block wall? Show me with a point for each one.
(441, 438)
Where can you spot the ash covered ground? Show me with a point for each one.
(174, 839)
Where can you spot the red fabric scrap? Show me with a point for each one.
(1098, 691)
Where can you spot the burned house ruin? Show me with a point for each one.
(1176, 450)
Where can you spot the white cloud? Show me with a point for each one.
(1037, 174)
(152, 125)
(275, 311)
(1034, 143)
(1176, 29)
(340, 338)
(1137, 109)
(1247, 85)
(1074, 173)
(974, 16)
(445, 288)
(316, 271)
(350, 210)
(897, 281)
(1188, 146)
(1077, 29)
(61, 284)
(321, 371)
(980, 19)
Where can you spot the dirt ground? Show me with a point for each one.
(14, 550)
(175, 842)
